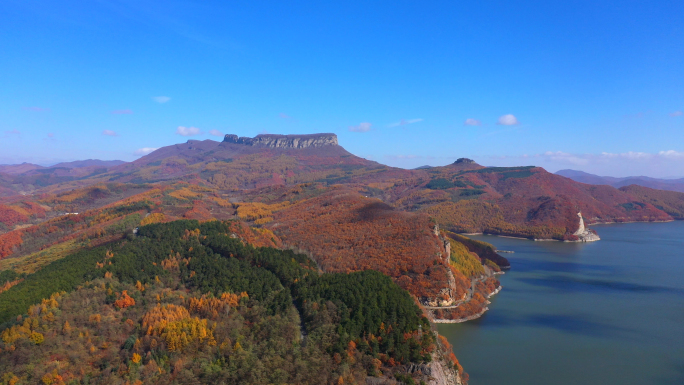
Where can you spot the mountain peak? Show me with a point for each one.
(464, 164)
(284, 141)
(464, 161)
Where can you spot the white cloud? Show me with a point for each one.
(144, 150)
(671, 154)
(215, 133)
(472, 122)
(109, 133)
(161, 99)
(362, 127)
(563, 157)
(404, 122)
(676, 113)
(188, 131)
(507, 120)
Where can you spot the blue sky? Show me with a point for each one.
(588, 85)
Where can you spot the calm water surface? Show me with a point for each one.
(608, 312)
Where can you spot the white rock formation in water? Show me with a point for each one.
(584, 234)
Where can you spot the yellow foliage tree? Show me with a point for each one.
(136, 358)
(153, 218)
(175, 326)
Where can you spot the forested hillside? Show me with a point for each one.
(186, 301)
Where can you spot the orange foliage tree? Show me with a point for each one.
(124, 300)
(8, 243)
(11, 217)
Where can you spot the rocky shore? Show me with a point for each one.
(584, 234)
(471, 317)
(437, 372)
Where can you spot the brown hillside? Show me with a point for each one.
(346, 232)
(671, 202)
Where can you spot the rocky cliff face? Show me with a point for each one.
(284, 141)
(437, 372)
(464, 161)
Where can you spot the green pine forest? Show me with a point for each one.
(188, 302)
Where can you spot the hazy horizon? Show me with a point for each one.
(51, 164)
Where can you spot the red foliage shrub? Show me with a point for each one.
(8, 242)
(11, 217)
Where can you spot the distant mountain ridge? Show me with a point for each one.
(89, 163)
(15, 169)
(462, 197)
(654, 183)
(27, 177)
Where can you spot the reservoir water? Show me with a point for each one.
(608, 312)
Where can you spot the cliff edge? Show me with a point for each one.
(284, 141)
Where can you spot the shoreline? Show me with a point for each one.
(617, 223)
(461, 320)
(471, 317)
(560, 240)
(495, 292)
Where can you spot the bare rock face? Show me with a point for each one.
(285, 141)
(584, 234)
(464, 161)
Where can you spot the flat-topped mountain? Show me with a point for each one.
(464, 161)
(284, 141)
(464, 164)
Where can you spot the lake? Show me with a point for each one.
(607, 312)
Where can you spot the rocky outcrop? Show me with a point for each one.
(464, 161)
(464, 164)
(436, 372)
(584, 234)
(441, 375)
(284, 141)
(446, 294)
